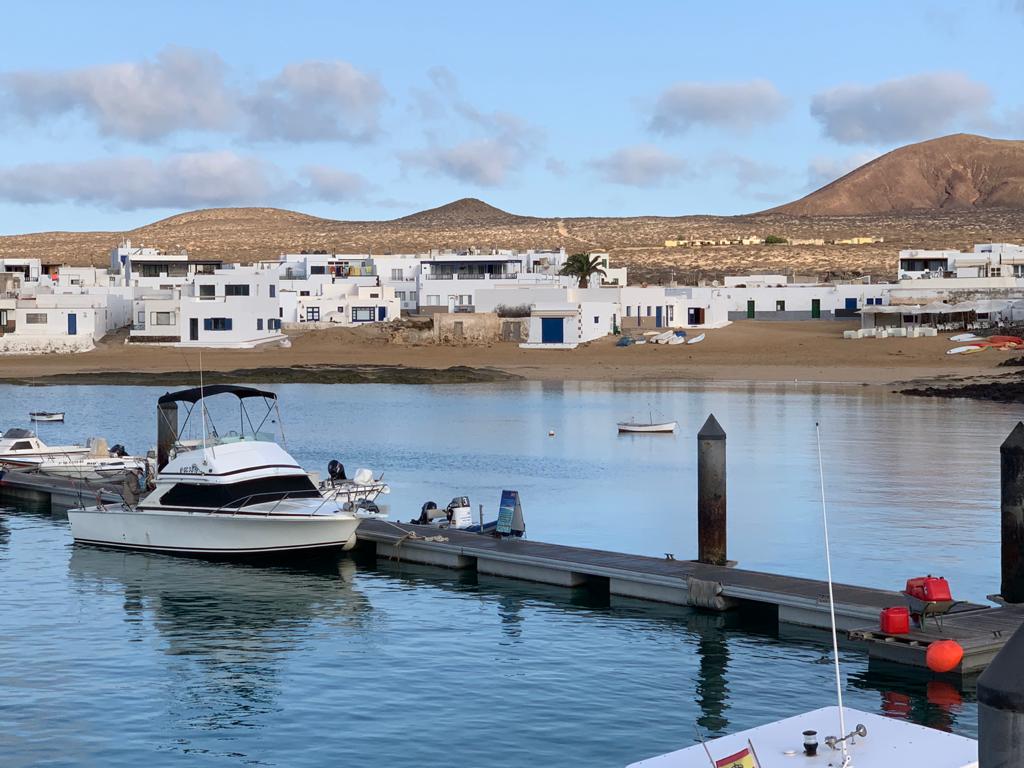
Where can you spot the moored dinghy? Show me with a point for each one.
(650, 427)
(47, 416)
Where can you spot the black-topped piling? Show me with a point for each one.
(1011, 455)
(1001, 707)
(711, 510)
(166, 432)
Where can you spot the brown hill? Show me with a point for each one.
(959, 171)
(465, 212)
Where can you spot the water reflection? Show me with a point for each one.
(228, 629)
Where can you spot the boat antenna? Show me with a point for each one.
(832, 603)
(202, 401)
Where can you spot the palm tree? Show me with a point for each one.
(582, 266)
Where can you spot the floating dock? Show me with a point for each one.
(980, 629)
(62, 493)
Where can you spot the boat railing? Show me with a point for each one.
(237, 505)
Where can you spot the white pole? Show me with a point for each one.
(202, 402)
(832, 602)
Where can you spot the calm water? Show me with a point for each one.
(110, 658)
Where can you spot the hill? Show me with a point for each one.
(952, 172)
(465, 212)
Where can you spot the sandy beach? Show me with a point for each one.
(811, 351)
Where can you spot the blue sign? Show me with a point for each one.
(507, 512)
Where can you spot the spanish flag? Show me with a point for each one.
(742, 759)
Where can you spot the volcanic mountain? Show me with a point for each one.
(953, 172)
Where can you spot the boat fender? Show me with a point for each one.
(349, 545)
(701, 593)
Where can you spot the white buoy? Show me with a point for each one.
(551, 433)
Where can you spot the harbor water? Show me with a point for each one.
(109, 658)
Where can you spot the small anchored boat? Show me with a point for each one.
(658, 427)
(47, 416)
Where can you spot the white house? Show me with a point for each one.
(154, 269)
(986, 260)
(346, 303)
(61, 322)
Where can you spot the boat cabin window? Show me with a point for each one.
(237, 495)
(23, 445)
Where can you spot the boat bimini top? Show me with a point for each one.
(196, 395)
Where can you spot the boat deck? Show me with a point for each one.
(980, 629)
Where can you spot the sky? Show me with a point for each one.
(113, 115)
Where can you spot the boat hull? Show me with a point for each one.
(204, 533)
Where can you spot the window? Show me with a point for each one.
(596, 319)
(433, 300)
(400, 295)
(36, 318)
(24, 445)
(303, 293)
(648, 310)
(629, 311)
(236, 290)
(273, 324)
(259, 323)
(217, 324)
(141, 318)
(318, 269)
(273, 291)
(161, 318)
(313, 314)
(374, 295)
(396, 274)
(780, 305)
(362, 314)
(207, 291)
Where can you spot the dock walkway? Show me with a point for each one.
(980, 629)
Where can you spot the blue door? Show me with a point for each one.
(851, 304)
(382, 313)
(657, 317)
(72, 324)
(551, 330)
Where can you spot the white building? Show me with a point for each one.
(61, 322)
(986, 260)
(346, 303)
(231, 307)
(154, 269)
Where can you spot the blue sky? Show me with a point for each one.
(114, 115)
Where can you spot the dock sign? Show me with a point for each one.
(510, 515)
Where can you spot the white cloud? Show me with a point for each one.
(825, 170)
(333, 184)
(317, 101)
(192, 180)
(904, 109)
(642, 165)
(484, 162)
(179, 89)
(731, 106)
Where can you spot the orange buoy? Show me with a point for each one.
(943, 655)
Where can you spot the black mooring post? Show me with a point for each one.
(711, 517)
(1001, 706)
(1011, 461)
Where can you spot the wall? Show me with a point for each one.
(467, 328)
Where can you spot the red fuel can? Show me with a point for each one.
(895, 621)
(929, 588)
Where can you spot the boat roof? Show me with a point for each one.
(889, 742)
(196, 394)
(17, 432)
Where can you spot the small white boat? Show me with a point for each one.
(20, 448)
(965, 350)
(664, 338)
(112, 469)
(47, 416)
(650, 333)
(696, 339)
(964, 337)
(242, 494)
(874, 742)
(663, 427)
(677, 340)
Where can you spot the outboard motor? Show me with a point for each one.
(336, 470)
(426, 513)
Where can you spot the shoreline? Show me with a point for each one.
(803, 352)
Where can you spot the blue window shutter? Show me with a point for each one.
(227, 324)
(208, 324)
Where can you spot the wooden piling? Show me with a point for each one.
(1011, 454)
(711, 496)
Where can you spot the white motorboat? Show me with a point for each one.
(112, 469)
(660, 427)
(21, 448)
(47, 416)
(237, 495)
